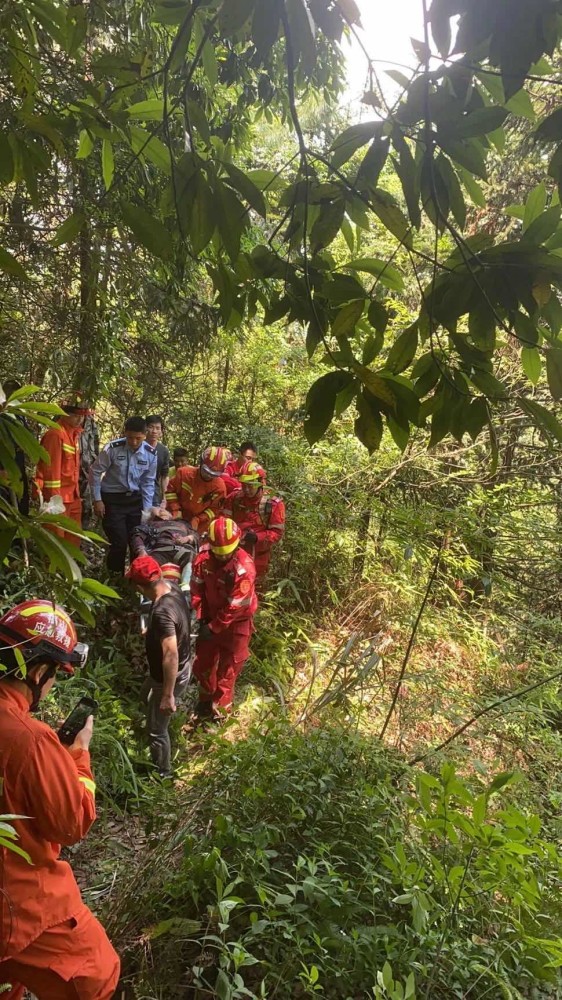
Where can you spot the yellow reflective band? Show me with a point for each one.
(39, 609)
(70, 448)
(171, 572)
(212, 531)
(213, 453)
(187, 488)
(224, 550)
(89, 784)
(228, 527)
(209, 512)
(51, 483)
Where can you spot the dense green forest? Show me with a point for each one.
(196, 221)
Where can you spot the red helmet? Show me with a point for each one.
(76, 404)
(252, 472)
(41, 628)
(213, 460)
(224, 536)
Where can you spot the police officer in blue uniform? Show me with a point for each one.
(122, 479)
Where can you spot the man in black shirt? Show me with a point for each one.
(168, 651)
(154, 432)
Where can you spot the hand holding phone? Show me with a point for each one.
(77, 721)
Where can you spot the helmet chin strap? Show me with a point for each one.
(36, 687)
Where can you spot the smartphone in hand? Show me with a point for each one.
(77, 720)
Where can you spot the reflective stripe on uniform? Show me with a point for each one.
(51, 484)
(187, 488)
(170, 571)
(240, 602)
(69, 448)
(88, 783)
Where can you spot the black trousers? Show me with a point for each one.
(122, 514)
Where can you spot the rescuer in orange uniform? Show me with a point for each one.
(50, 942)
(259, 514)
(60, 474)
(197, 494)
(224, 600)
(247, 453)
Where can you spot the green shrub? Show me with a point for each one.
(313, 863)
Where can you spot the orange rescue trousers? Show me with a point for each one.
(218, 662)
(73, 509)
(72, 961)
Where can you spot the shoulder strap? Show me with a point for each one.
(265, 510)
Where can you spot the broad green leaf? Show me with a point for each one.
(347, 318)
(372, 347)
(69, 229)
(378, 316)
(151, 147)
(400, 432)
(327, 225)
(454, 190)
(381, 269)
(501, 780)
(489, 385)
(107, 163)
(542, 228)
(473, 188)
(171, 11)
(372, 164)
(368, 425)
(246, 187)
(234, 14)
(550, 128)
(85, 145)
(348, 233)
(403, 350)
(265, 26)
(391, 216)
(180, 45)
(321, 401)
(232, 218)
(542, 417)
(302, 31)
(477, 416)
(6, 160)
(202, 218)
(377, 385)
(479, 122)
(467, 153)
(409, 178)
(10, 265)
(210, 64)
(531, 362)
(520, 104)
(554, 372)
(482, 325)
(346, 397)
(351, 140)
(534, 205)
(149, 110)
(439, 15)
(148, 230)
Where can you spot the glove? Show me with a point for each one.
(204, 633)
(250, 538)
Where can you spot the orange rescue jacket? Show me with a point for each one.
(61, 474)
(53, 786)
(196, 499)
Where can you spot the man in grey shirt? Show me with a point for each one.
(168, 651)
